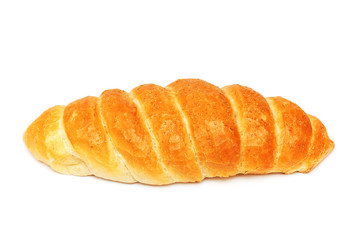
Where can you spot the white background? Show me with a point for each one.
(53, 52)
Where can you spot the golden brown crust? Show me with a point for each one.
(44, 139)
(131, 137)
(168, 129)
(256, 124)
(182, 133)
(85, 131)
(214, 132)
(294, 134)
(321, 145)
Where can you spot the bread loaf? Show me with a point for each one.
(185, 132)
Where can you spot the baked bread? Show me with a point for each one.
(184, 132)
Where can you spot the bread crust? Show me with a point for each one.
(184, 132)
(321, 146)
(256, 126)
(166, 123)
(294, 134)
(214, 133)
(131, 138)
(45, 140)
(86, 133)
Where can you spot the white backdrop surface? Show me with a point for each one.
(53, 52)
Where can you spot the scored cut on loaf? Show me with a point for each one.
(185, 132)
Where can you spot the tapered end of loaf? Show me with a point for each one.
(321, 146)
(44, 139)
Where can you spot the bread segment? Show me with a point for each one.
(166, 124)
(256, 124)
(321, 145)
(44, 138)
(131, 138)
(85, 131)
(212, 126)
(294, 132)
